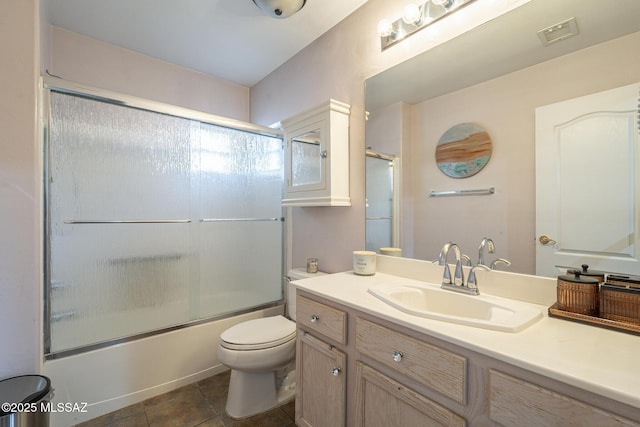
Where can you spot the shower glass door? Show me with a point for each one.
(380, 226)
(154, 221)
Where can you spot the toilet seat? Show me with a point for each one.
(259, 334)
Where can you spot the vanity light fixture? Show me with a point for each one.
(416, 17)
(280, 8)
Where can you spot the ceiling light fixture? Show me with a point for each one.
(280, 8)
(414, 18)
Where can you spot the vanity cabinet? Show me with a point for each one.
(383, 401)
(316, 156)
(441, 370)
(321, 368)
(321, 383)
(514, 401)
(390, 375)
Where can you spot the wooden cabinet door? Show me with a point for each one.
(382, 401)
(321, 383)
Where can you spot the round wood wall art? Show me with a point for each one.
(463, 150)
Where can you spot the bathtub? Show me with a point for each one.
(111, 378)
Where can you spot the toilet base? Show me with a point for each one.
(251, 393)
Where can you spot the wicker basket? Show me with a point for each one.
(620, 303)
(578, 295)
(633, 281)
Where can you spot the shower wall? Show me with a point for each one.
(155, 221)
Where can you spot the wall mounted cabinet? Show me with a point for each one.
(317, 156)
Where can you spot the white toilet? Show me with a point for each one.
(261, 355)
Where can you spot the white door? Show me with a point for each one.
(587, 188)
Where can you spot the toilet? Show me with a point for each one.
(261, 355)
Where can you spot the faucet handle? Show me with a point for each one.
(495, 263)
(467, 260)
(458, 277)
(472, 281)
(446, 277)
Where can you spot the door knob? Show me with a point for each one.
(546, 240)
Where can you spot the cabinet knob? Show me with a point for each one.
(314, 318)
(397, 356)
(323, 154)
(335, 371)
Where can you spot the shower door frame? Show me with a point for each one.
(395, 202)
(55, 84)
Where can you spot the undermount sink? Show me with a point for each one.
(433, 302)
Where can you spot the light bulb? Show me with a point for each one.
(411, 14)
(385, 28)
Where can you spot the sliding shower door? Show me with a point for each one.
(241, 229)
(154, 221)
(380, 197)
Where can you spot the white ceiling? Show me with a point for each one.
(229, 39)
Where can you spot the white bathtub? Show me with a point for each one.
(114, 377)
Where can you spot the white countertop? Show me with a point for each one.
(595, 359)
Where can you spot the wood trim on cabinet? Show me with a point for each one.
(439, 369)
(382, 401)
(329, 321)
(321, 393)
(515, 402)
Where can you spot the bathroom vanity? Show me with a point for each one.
(361, 362)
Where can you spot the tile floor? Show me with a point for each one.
(200, 404)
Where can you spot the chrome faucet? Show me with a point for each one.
(472, 284)
(488, 243)
(465, 259)
(458, 278)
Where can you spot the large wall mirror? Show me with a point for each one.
(495, 75)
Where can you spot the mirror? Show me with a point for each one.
(306, 159)
(495, 75)
(381, 208)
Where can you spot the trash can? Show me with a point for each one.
(24, 401)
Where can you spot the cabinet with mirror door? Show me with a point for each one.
(317, 156)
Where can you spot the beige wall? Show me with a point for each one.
(88, 61)
(20, 262)
(505, 107)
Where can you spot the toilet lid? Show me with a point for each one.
(259, 333)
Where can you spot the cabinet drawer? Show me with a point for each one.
(437, 368)
(318, 317)
(515, 402)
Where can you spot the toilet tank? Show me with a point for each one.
(290, 294)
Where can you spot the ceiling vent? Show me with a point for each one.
(557, 32)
